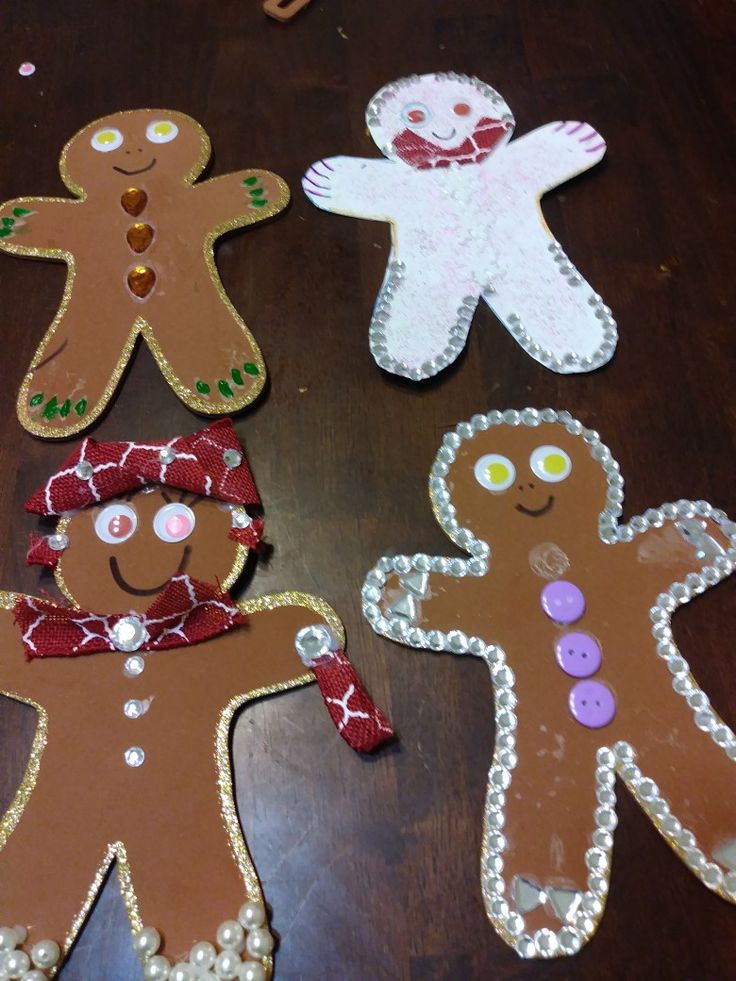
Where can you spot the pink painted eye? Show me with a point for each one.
(115, 523)
(415, 114)
(461, 108)
(174, 522)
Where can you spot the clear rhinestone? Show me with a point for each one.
(167, 455)
(241, 519)
(134, 756)
(58, 542)
(84, 470)
(314, 642)
(134, 666)
(134, 708)
(128, 634)
(232, 459)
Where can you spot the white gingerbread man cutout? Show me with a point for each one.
(463, 203)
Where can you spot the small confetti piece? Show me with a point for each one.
(342, 34)
(27, 68)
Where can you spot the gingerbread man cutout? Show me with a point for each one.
(463, 203)
(138, 243)
(131, 706)
(573, 622)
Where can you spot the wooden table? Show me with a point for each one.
(371, 865)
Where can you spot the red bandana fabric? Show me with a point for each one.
(209, 462)
(423, 154)
(358, 720)
(188, 611)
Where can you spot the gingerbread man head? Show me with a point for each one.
(525, 484)
(437, 120)
(114, 153)
(159, 510)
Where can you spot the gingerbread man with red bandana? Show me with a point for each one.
(571, 611)
(138, 242)
(135, 682)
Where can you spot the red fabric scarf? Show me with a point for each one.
(186, 612)
(424, 154)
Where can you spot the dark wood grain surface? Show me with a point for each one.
(371, 866)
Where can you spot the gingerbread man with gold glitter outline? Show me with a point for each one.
(573, 622)
(132, 707)
(138, 244)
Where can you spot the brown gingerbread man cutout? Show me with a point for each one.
(135, 708)
(571, 612)
(138, 242)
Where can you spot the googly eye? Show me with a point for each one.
(116, 523)
(174, 522)
(415, 114)
(106, 139)
(495, 472)
(461, 109)
(161, 131)
(550, 463)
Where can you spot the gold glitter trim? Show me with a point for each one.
(238, 845)
(13, 814)
(241, 556)
(115, 852)
(188, 396)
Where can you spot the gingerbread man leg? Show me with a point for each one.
(685, 780)
(206, 352)
(49, 861)
(428, 288)
(193, 853)
(543, 300)
(64, 390)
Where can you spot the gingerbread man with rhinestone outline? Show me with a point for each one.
(581, 696)
(463, 203)
(138, 243)
(131, 757)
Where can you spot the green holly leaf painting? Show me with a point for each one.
(21, 212)
(4, 232)
(8, 222)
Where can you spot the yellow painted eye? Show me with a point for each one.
(106, 139)
(495, 472)
(550, 463)
(161, 131)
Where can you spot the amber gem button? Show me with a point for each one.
(139, 236)
(141, 280)
(134, 201)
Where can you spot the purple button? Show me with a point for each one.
(562, 601)
(592, 704)
(578, 654)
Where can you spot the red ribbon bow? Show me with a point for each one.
(209, 462)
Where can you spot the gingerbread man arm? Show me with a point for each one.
(681, 540)
(428, 598)
(357, 187)
(553, 154)
(242, 198)
(35, 226)
(16, 675)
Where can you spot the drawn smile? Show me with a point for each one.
(141, 170)
(537, 512)
(134, 590)
(444, 138)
